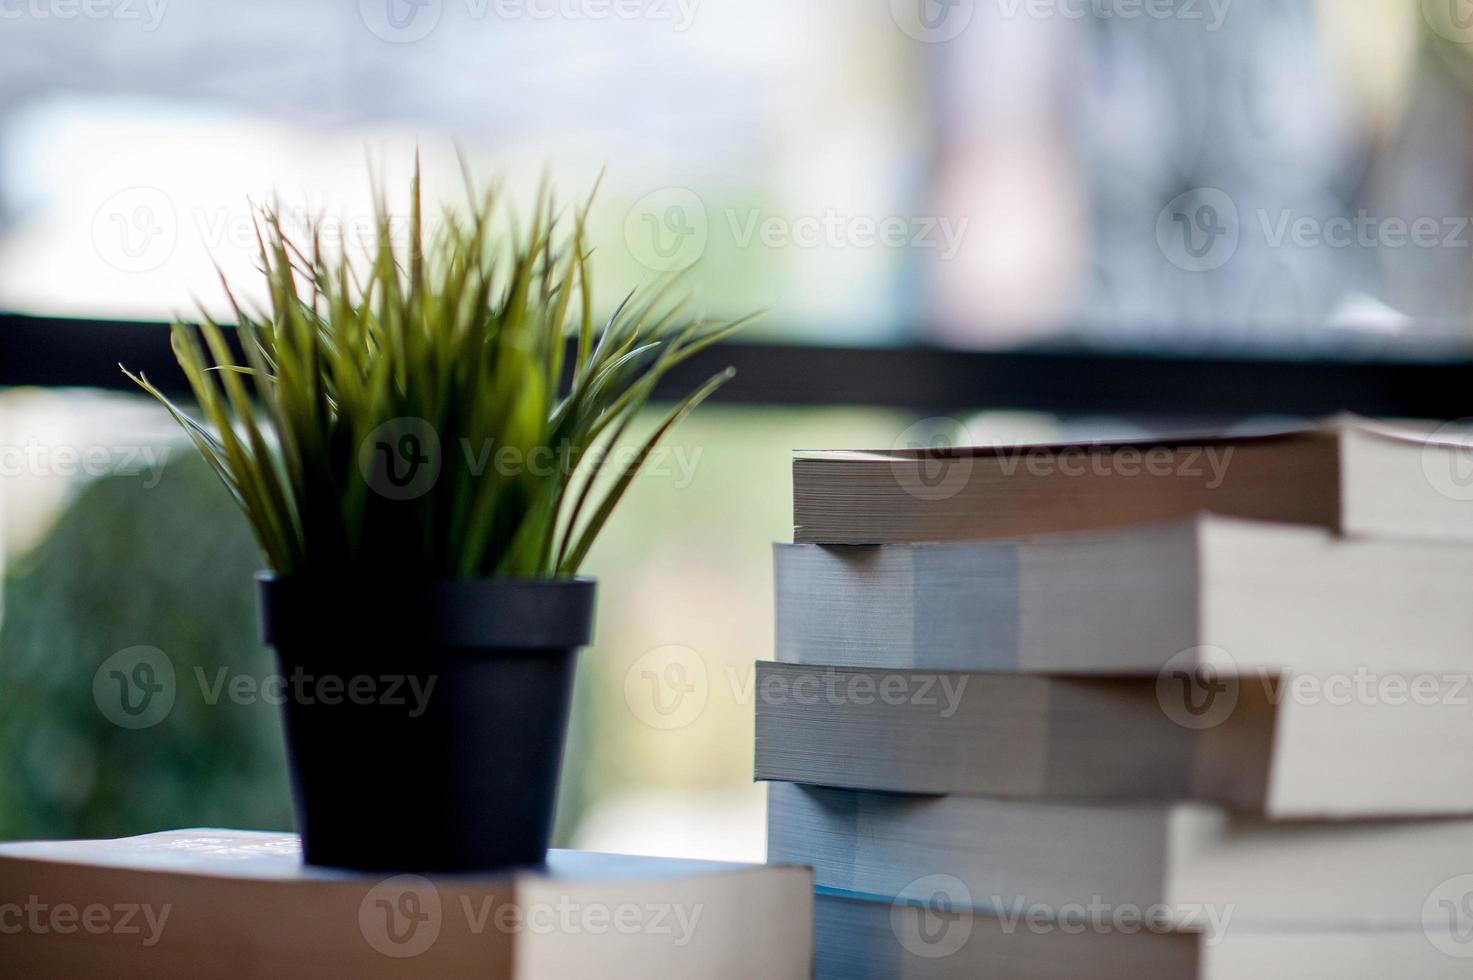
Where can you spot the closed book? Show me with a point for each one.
(1282, 748)
(1204, 869)
(1347, 475)
(926, 938)
(1231, 594)
(223, 903)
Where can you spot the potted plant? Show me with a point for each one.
(419, 438)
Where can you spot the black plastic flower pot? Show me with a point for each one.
(425, 721)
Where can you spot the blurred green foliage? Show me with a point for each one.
(126, 565)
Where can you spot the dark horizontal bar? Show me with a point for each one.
(56, 352)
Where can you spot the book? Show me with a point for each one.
(1202, 868)
(862, 938)
(1347, 475)
(1232, 594)
(1275, 747)
(224, 903)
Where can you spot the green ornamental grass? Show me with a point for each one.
(487, 340)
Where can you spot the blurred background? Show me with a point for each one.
(1277, 181)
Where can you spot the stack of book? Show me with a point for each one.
(1198, 708)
